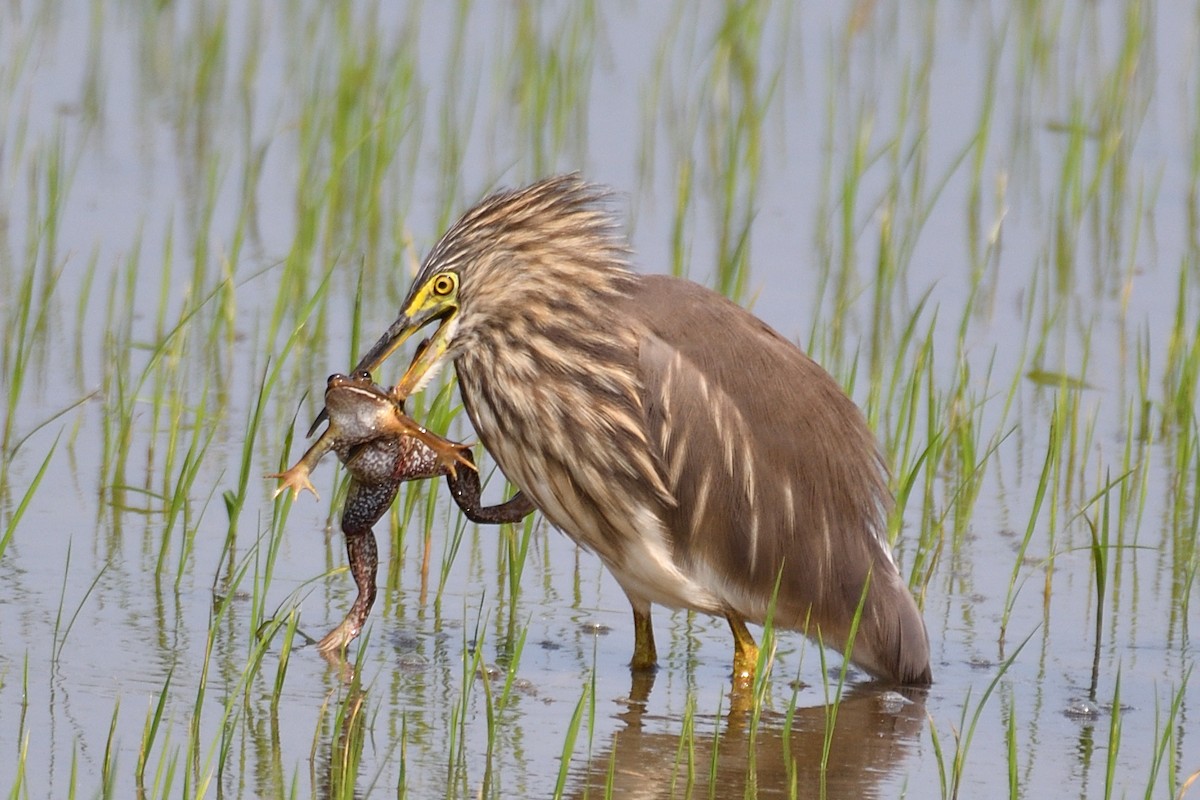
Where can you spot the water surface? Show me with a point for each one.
(1000, 202)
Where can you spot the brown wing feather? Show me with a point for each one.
(775, 473)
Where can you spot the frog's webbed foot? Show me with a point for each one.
(295, 479)
(337, 639)
(452, 455)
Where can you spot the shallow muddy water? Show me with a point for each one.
(981, 219)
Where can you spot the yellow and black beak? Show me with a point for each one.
(426, 357)
(431, 302)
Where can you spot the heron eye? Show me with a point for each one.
(444, 284)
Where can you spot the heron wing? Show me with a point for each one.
(775, 471)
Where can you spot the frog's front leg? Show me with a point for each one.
(296, 477)
(450, 455)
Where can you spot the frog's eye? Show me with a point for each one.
(444, 284)
(363, 376)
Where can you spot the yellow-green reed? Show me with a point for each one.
(953, 765)
(60, 641)
(1012, 751)
(346, 737)
(108, 769)
(551, 75)
(149, 732)
(14, 517)
(31, 300)
(1169, 732)
(714, 139)
(1114, 740)
(366, 116)
(586, 701)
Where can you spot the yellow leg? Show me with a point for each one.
(745, 651)
(645, 657)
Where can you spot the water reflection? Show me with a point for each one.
(967, 213)
(872, 732)
(343, 731)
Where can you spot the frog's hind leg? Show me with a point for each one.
(465, 489)
(364, 506)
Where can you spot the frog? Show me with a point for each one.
(382, 447)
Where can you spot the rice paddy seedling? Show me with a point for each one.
(984, 225)
(951, 772)
(60, 641)
(29, 305)
(285, 655)
(685, 756)
(1052, 454)
(551, 77)
(1114, 738)
(150, 731)
(1010, 737)
(108, 776)
(14, 518)
(349, 726)
(1166, 741)
(22, 734)
(568, 747)
(512, 669)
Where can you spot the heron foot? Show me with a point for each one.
(745, 651)
(645, 655)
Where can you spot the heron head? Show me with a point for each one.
(526, 257)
